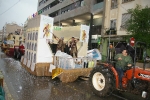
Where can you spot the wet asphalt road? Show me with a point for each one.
(24, 86)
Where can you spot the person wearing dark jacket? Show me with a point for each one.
(122, 60)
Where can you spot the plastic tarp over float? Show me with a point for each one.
(39, 59)
(68, 69)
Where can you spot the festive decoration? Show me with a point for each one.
(32, 16)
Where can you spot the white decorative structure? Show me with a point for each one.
(39, 32)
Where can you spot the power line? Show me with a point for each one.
(10, 8)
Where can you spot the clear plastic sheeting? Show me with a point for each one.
(95, 54)
(65, 61)
(10, 42)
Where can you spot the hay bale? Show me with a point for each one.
(72, 74)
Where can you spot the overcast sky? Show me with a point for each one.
(18, 13)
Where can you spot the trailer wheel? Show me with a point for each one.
(101, 81)
(15, 53)
(18, 55)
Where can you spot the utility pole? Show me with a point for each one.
(90, 33)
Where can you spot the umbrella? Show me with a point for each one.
(120, 46)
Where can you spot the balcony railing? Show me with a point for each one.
(98, 6)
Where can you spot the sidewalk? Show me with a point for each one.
(7, 93)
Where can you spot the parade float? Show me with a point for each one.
(13, 45)
(39, 58)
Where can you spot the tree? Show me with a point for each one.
(139, 23)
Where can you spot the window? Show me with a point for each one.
(34, 58)
(35, 47)
(29, 56)
(124, 1)
(36, 36)
(82, 3)
(125, 18)
(27, 45)
(98, 1)
(28, 35)
(33, 36)
(112, 28)
(25, 55)
(32, 46)
(96, 30)
(114, 4)
(113, 24)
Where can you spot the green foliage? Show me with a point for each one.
(99, 41)
(139, 23)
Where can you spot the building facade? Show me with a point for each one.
(101, 15)
(70, 12)
(11, 28)
(1, 35)
(75, 12)
(115, 16)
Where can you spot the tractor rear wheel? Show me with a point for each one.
(102, 81)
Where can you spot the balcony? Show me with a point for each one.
(112, 31)
(72, 13)
(98, 7)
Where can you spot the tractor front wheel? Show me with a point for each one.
(102, 81)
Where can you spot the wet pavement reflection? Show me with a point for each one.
(24, 86)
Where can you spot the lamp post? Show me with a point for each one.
(108, 53)
(60, 1)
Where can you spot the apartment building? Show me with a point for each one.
(101, 15)
(70, 12)
(115, 16)
(12, 28)
(74, 12)
(116, 13)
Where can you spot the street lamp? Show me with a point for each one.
(108, 49)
